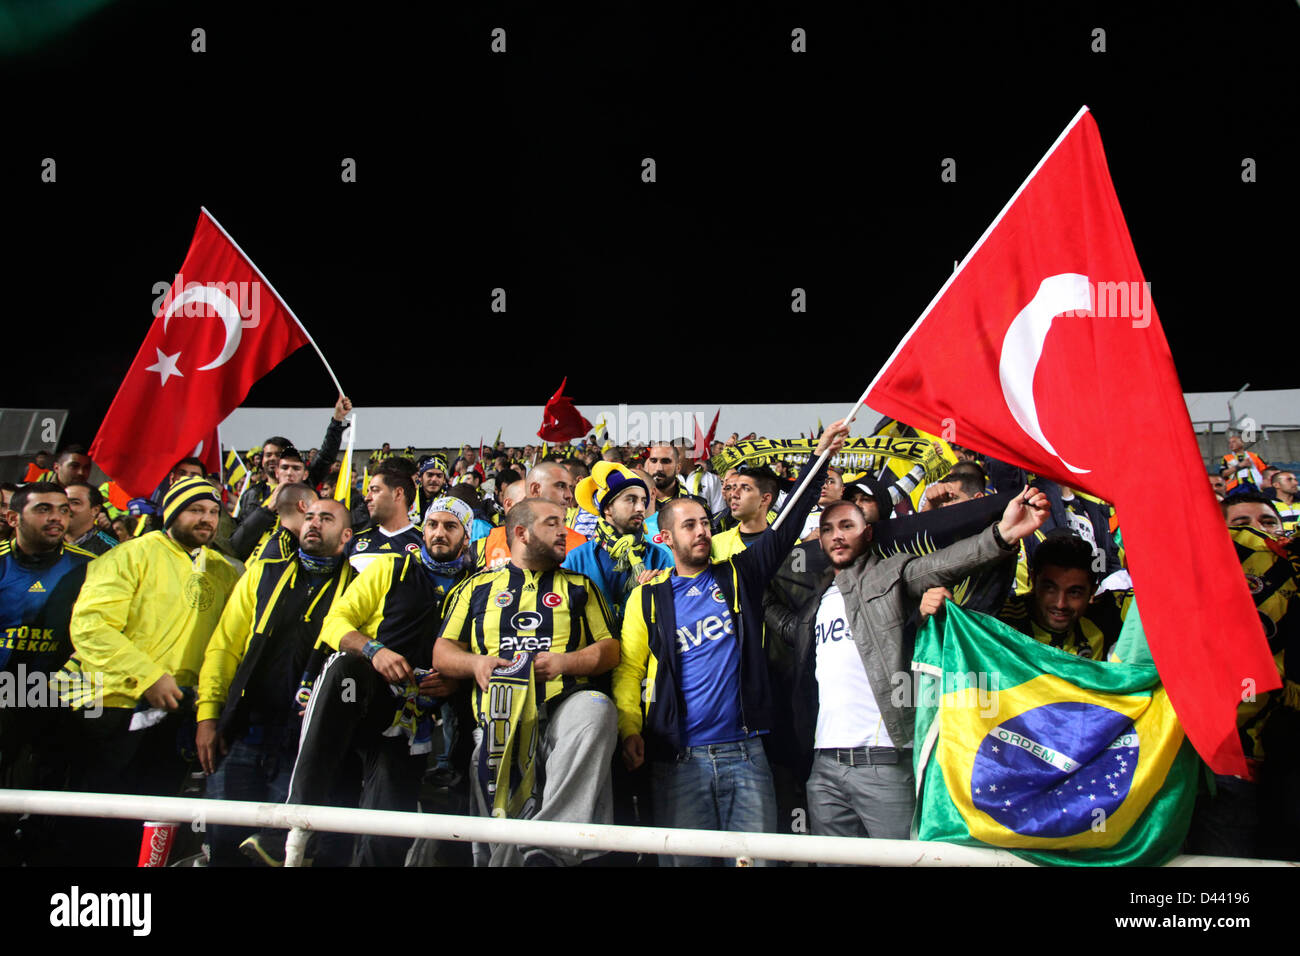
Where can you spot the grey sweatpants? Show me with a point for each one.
(575, 751)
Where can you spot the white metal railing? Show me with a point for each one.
(767, 846)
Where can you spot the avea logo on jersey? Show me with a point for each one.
(512, 644)
(706, 628)
(836, 630)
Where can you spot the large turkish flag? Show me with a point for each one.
(1044, 349)
(219, 328)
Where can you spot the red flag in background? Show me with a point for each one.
(219, 329)
(1044, 350)
(702, 440)
(561, 420)
(208, 451)
(713, 433)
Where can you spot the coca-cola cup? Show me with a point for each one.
(156, 844)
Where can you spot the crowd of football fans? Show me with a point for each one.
(584, 632)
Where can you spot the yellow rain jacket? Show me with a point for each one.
(148, 608)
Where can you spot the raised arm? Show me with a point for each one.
(766, 552)
(1023, 516)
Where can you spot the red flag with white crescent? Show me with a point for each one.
(218, 329)
(1044, 350)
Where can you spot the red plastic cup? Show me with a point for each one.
(156, 844)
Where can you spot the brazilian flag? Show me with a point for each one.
(1063, 760)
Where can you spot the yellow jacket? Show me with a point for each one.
(147, 609)
(726, 544)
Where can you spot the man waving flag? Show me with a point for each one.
(219, 329)
(1044, 350)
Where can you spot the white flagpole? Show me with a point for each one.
(254, 267)
(794, 496)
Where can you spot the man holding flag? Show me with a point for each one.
(1048, 314)
(851, 643)
(258, 491)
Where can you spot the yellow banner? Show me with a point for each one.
(856, 455)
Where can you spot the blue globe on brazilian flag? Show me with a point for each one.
(1060, 759)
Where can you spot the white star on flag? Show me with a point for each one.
(165, 366)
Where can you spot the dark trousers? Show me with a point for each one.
(33, 756)
(108, 757)
(350, 708)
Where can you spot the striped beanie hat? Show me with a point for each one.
(454, 506)
(184, 493)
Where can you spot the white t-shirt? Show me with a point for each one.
(706, 485)
(812, 524)
(847, 714)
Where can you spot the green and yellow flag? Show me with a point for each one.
(1060, 759)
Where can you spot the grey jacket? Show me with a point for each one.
(879, 598)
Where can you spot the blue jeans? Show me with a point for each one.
(257, 768)
(715, 787)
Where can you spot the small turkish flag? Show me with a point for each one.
(560, 420)
(703, 441)
(219, 329)
(1044, 350)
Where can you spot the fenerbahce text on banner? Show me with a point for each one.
(856, 454)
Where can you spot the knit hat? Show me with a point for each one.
(184, 493)
(607, 480)
(464, 514)
(141, 506)
(431, 461)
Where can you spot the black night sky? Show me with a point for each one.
(522, 170)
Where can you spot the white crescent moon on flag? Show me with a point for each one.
(1022, 348)
(224, 307)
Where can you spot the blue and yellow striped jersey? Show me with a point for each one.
(498, 612)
